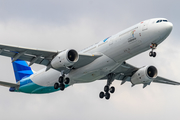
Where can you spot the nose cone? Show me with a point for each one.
(166, 29)
(169, 27)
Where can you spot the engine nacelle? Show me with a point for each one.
(144, 75)
(65, 59)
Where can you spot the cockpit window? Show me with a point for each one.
(161, 21)
(165, 21)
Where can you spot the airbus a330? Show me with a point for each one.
(104, 60)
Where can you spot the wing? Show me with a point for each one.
(85, 59)
(126, 70)
(42, 57)
(123, 71)
(165, 81)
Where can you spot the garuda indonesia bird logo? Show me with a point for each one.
(133, 33)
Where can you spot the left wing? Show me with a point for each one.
(127, 70)
(42, 57)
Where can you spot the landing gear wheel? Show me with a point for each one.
(66, 81)
(107, 96)
(151, 53)
(154, 54)
(62, 86)
(101, 95)
(61, 79)
(106, 88)
(56, 85)
(112, 89)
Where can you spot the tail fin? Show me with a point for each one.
(21, 69)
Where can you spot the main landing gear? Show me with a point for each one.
(62, 82)
(151, 53)
(107, 88)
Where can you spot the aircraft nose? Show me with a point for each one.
(166, 28)
(169, 26)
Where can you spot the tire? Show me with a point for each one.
(61, 79)
(66, 81)
(154, 54)
(56, 85)
(106, 88)
(101, 95)
(107, 96)
(151, 54)
(112, 89)
(62, 87)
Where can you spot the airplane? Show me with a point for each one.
(105, 60)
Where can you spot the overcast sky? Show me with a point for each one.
(63, 24)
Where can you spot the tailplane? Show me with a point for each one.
(21, 69)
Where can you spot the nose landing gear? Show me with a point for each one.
(151, 53)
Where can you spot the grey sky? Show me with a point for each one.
(58, 25)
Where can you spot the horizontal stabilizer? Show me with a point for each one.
(7, 84)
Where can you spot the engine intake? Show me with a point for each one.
(152, 72)
(72, 56)
(65, 59)
(144, 75)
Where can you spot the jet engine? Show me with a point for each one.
(66, 58)
(144, 75)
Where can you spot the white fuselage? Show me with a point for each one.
(114, 50)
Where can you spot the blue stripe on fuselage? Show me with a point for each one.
(105, 39)
(28, 86)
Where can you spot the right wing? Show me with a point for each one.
(42, 57)
(165, 81)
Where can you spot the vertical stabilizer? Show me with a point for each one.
(21, 69)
